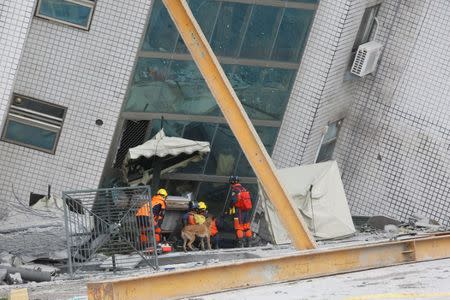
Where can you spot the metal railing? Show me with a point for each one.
(103, 222)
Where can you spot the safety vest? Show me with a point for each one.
(199, 219)
(144, 210)
(213, 228)
(158, 199)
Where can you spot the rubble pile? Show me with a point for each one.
(17, 270)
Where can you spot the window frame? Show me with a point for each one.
(86, 3)
(366, 26)
(39, 120)
(333, 140)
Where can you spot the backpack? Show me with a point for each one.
(244, 201)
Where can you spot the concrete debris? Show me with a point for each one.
(42, 268)
(35, 232)
(379, 222)
(26, 274)
(392, 229)
(419, 220)
(3, 273)
(14, 278)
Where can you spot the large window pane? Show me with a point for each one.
(214, 195)
(66, 11)
(228, 31)
(263, 91)
(205, 12)
(171, 87)
(161, 32)
(150, 90)
(292, 34)
(197, 131)
(30, 135)
(224, 153)
(171, 128)
(260, 34)
(268, 136)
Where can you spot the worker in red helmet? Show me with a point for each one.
(158, 205)
(240, 208)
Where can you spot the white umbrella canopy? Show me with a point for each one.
(161, 145)
(178, 152)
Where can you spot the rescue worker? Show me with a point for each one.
(240, 208)
(214, 233)
(188, 217)
(158, 203)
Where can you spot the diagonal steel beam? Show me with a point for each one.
(239, 122)
(256, 272)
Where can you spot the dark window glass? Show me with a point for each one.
(264, 92)
(171, 87)
(366, 27)
(161, 33)
(205, 12)
(268, 136)
(329, 141)
(260, 34)
(30, 135)
(292, 34)
(214, 195)
(326, 152)
(67, 11)
(198, 132)
(228, 31)
(171, 128)
(224, 153)
(37, 106)
(181, 187)
(150, 88)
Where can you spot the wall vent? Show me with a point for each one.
(366, 58)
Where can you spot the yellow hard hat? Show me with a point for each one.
(202, 205)
(162, 192)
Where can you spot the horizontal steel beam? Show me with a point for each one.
(256, 272)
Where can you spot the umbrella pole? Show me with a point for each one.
(157, 164)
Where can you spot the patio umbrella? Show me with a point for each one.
(162, 154)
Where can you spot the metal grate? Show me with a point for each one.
(133, 135)
(104, 222)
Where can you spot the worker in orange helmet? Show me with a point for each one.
(158, 203)
(240, 208)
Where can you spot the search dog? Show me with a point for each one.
(190, 232)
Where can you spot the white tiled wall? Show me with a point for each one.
(393, 149)
(15, 20)
(86, 71)
(320, 95)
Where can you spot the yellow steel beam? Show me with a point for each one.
(239, 122)
(255, 272)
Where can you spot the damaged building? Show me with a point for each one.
(83, 81)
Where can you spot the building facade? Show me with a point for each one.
(86, 80)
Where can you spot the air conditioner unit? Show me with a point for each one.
(366, 58)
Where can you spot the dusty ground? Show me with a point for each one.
(429, 280)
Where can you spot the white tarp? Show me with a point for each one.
(161, 145)
(319, 195)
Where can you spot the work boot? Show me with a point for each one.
(240, 243)
(247, 242)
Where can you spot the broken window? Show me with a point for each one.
(33, 123)
(76, 13)
(329, 141)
